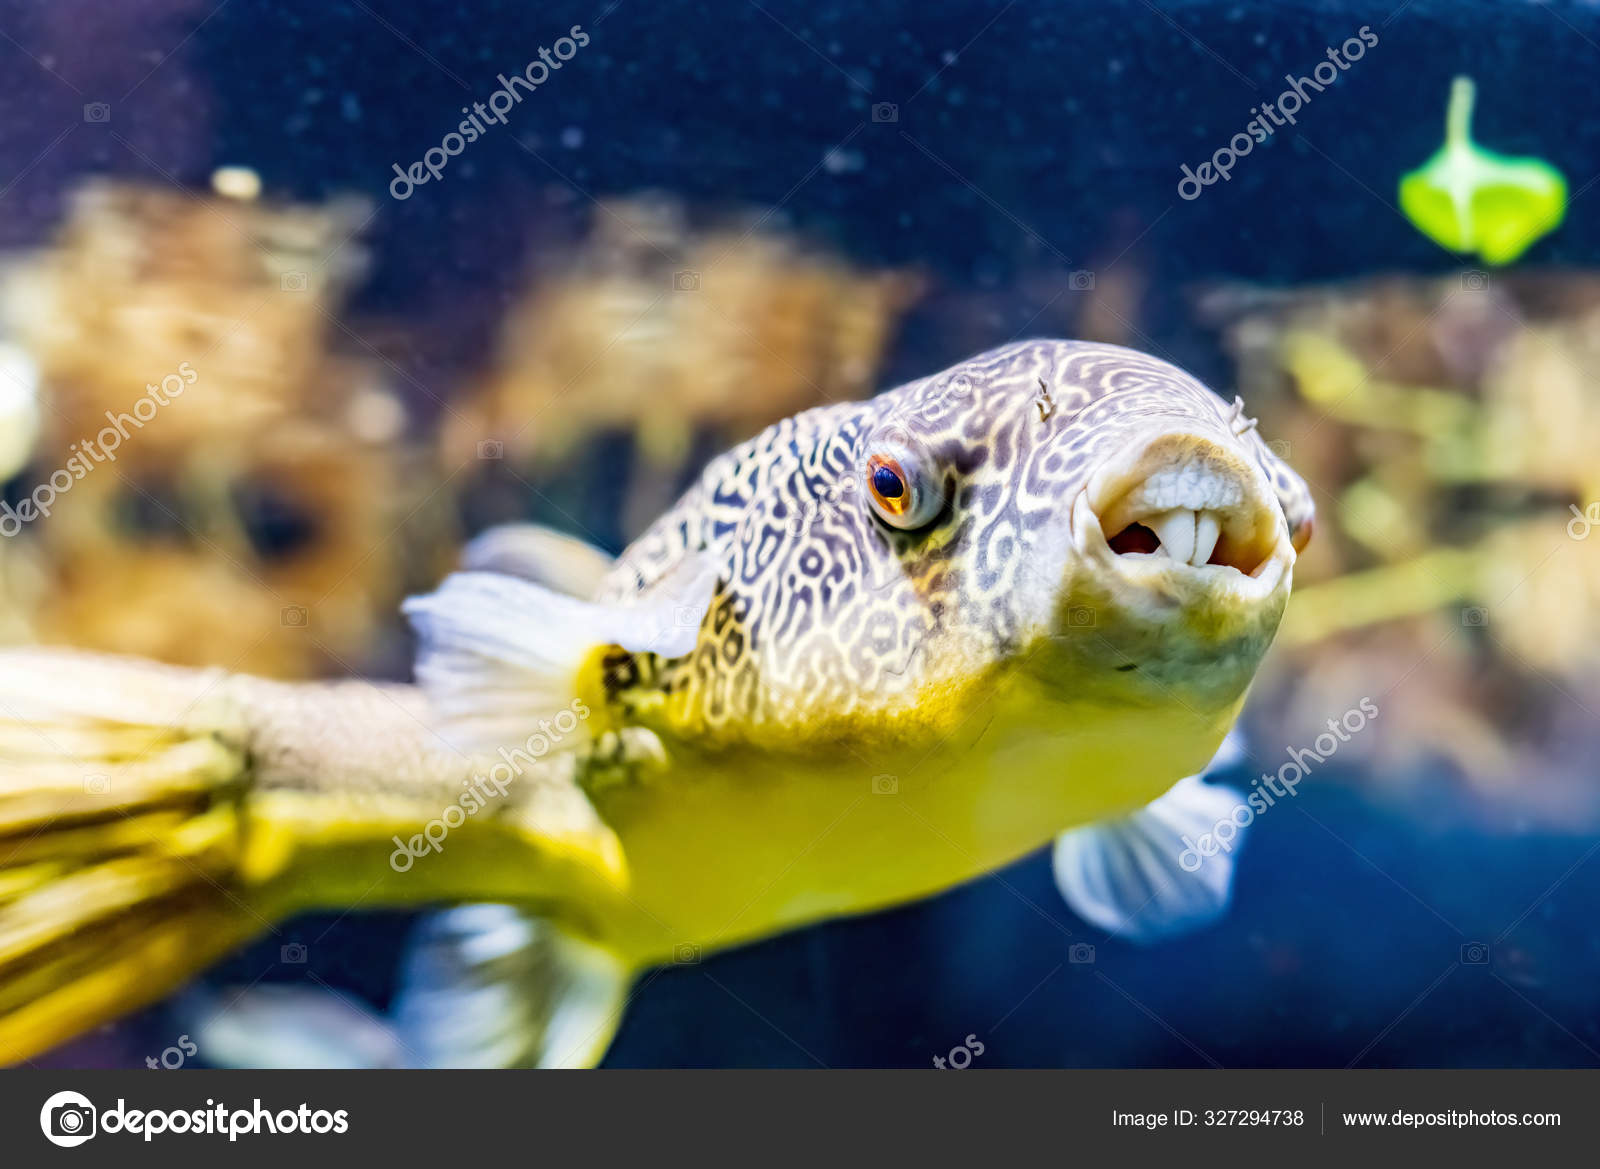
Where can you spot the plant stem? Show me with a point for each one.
(1458, 118)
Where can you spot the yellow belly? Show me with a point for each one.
(735, 846)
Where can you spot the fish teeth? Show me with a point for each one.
(1187, 536)
(1192, 485)
(1206, 530)
(1176, 531)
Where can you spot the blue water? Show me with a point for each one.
(1353, 942)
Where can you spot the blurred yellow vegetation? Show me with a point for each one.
(271, 518)
(260, 492)
(667, 333)
(1448, 428)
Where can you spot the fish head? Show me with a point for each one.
(1181, 538)
(1081, 515)
(1090, 513)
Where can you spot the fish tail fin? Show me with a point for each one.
(120, 831)
(153, 818)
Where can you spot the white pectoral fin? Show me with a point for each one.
(290, 1027)
(1138, 876)
(538, 554)
(497, 651)
(481, 986)
(493, 986)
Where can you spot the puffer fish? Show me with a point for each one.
(879, 649)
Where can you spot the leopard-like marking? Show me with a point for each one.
(824, 614)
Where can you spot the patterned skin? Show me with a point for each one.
(1046, 615)
(830, 625)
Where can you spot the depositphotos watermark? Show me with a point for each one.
(1273, 114)
(69, 1119)
(960, 1056)
(174, 1057)
(494, 111)
(1277, 786)
(833, 497)
(481, 789)
(91, 452)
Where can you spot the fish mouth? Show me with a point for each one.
(1185, 514)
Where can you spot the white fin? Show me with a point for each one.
(291, 1027)
(1138, 878)
(541, 555)
(497, 652)
(482, 986)
(489, 986)
(19, 408)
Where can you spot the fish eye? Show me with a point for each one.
(905, 489)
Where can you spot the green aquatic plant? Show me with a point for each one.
(1473, 200)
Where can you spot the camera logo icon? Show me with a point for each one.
(1081, 617)
(97, 111)
(1474, 281)
(98, 784)
(68, 1119)
(491, 448)
(1579, 525)
(686, 281)
(885, 111)
(1475, 954)
(895, 433)
(1474, 615)
(293, 616)
(885, 785)
(294, 954)
(1081, 281)
(1279, 447)
(1080, 954)
(803, 518)
(685, 954)
(292, 282)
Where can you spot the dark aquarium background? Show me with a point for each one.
(951, 175)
